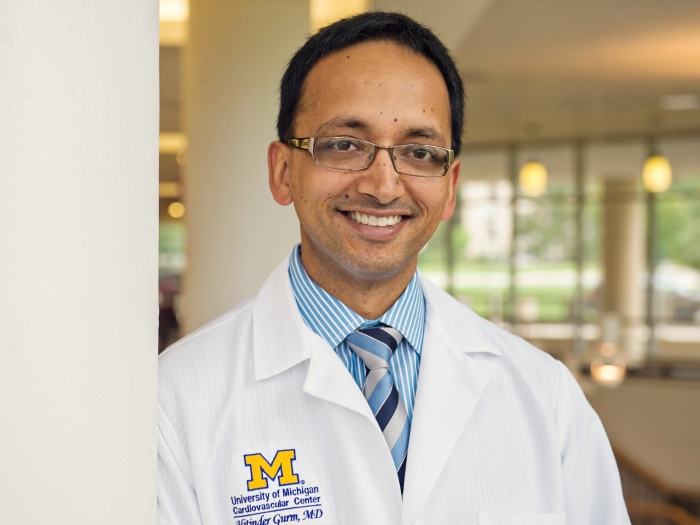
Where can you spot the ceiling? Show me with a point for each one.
(550, 69)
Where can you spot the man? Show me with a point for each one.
(350, 390)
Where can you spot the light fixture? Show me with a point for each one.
(168, 190)
(324, 12)
(608, 374)
(680, 102)
(657, 174)
(533, 179)
(173, 16)
(176, 210)
(172, 143)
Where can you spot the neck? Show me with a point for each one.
(367, 295)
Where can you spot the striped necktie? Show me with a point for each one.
(376, 345)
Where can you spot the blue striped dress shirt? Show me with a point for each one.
(333, 321)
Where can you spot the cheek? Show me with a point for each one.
(313, 189)
(430, 196)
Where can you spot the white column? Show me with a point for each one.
(623, 261)
(236, 233)
(78, 261)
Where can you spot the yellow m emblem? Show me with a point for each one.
(281, 465)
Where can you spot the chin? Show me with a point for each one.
(379, 266)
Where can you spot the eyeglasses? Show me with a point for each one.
(347, 153)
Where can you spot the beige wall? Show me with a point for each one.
(237, 234)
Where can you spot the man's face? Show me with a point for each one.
(387, 95)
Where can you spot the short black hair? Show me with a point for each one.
(375, 26)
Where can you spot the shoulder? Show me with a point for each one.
(514, 348)
(509, 357)
(208, 348)
(522, 369)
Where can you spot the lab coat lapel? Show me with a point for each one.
(328, 379)
(450, 384)
(282, 339)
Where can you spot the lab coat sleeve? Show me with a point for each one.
(593, 492)
(177, 499)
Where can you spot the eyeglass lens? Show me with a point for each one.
(354, 154)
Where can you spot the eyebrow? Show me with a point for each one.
(342, 122)
(425, 132)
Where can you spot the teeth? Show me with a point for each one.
(372, 220)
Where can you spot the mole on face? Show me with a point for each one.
(347, 196)
(395, 119)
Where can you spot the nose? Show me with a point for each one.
(381, 180)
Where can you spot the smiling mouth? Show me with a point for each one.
(373, 220)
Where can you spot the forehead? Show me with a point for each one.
(376, 80)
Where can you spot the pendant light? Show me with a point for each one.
(656, 174)
(533, 179)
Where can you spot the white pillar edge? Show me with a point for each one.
(78, 262)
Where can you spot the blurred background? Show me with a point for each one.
(578, 220)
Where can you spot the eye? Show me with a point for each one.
(339, 145)
(421, 154)
(343, 145)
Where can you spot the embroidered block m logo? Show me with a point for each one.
(281, 466)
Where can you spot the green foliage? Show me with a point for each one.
(546, 234)
(678, 223)
(546, 237)
(433, 254)
(171, 237)
(459, 240)
(592, 228)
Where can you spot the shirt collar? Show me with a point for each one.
(333, 320)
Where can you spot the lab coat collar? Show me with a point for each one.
(281, 339)
(460, 325)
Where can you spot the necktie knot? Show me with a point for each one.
(375, 345)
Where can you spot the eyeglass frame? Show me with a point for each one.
(308, 144)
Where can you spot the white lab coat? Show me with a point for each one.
(501, 433)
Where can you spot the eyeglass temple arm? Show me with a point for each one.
(300, 143)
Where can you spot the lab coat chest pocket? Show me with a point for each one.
(518, 518)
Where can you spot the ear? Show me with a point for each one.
(278, 155)
(453, 175)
